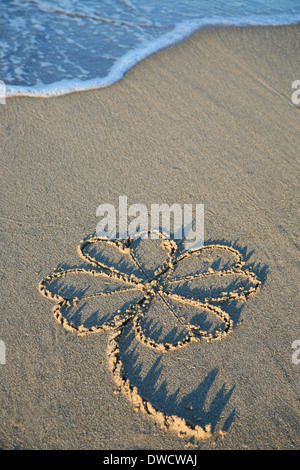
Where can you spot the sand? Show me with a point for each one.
(209, 121)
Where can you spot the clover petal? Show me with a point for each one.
(207, 259)
(112, 256)
(215, 286)
(169, 321)
(203, 320)
(94, 313)
(158, 326)
(78, 283)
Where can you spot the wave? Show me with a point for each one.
(121, 65)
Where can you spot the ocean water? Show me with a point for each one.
(49, 48)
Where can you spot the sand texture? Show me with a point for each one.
(140, 345)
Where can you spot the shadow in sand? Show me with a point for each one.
(205, 405)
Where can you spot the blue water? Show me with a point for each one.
(55, 47)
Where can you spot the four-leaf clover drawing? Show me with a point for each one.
(123, 271)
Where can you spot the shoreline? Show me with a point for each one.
(207, 121)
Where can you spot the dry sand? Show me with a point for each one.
(208, 121)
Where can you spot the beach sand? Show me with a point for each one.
(208, 121)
